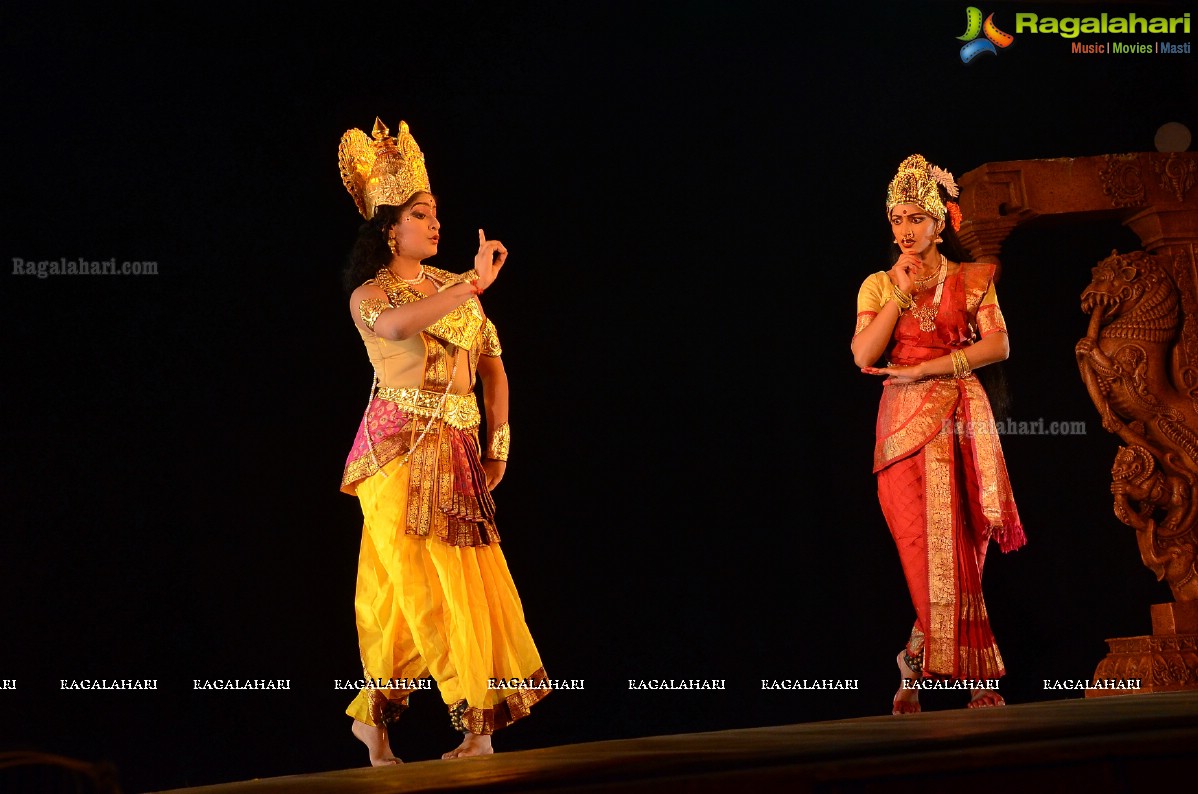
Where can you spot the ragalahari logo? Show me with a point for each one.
(974, 26)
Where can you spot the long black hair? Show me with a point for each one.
(370, 251)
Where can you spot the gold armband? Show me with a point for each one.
(491, 346)
(370, 309)
(501, 441)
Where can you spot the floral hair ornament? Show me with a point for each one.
(954, 215)
(918, 182)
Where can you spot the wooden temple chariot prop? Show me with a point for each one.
(1138, 361)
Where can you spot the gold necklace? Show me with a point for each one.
(927, 314)
(920, 283)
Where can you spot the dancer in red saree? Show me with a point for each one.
(942, 479)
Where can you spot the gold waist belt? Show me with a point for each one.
(460, 410)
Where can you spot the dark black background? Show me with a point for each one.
(691, 194)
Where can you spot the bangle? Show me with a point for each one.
(501, 441)
(474, 288)
(960, 364)
(471, 277)
(903, 300)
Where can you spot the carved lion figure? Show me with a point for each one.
(1130, 364)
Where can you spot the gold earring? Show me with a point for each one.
(392, 245)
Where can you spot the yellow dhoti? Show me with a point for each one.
(426, 607)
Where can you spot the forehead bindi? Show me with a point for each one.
(899, 213)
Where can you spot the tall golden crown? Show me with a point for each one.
(917, 182)
(385, 170)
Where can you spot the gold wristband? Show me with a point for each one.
(469, 277)
(501, 441)
(903, 300)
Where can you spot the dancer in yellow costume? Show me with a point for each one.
(434, 595)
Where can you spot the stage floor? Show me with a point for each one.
(1119, 743)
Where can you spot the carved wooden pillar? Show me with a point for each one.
(1139, 362)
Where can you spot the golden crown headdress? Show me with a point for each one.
(916, 182)
(381, 169)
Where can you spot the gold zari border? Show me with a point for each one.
(910, 415)
(941, 641)
(513, 707)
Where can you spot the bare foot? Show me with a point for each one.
(472, 744)
(984, 698)
(906, 700)
(376, 742)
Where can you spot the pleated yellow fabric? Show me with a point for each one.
(427, 607)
